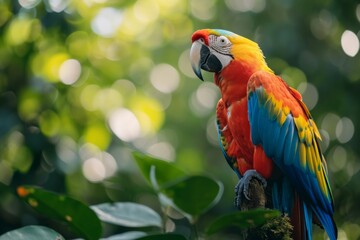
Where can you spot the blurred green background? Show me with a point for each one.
(83, 83)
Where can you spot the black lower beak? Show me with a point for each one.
(202, 57)
(208, 61)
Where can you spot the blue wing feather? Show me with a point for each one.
(281, 142)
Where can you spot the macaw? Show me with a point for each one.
(266, 131)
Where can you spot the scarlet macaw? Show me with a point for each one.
(265, 130)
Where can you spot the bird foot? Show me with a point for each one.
(242, 187)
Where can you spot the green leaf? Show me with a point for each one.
(128, 214)
(32, 233)
(126, 236)
(195, 194)
(243, 219)
(165, 172)
(79, 217)
(166, 236)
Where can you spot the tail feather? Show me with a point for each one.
(327, 223)
(297, 220)
(308, 220)
(302, 215)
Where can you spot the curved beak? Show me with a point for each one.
(202, 58)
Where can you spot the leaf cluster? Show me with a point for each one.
(184, 199)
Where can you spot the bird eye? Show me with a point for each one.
(223, 41)
(201, 40)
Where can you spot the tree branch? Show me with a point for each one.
(278, 228)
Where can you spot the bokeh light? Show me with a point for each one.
(246, 5)
(165, 78)
(94, 170)
(28, 3)
(211, 131)
(57, 5)
(323, 25)
(329, 123)
(162, 150)
(293, 76)
(344, 130)
(69, 71)
(204, 99)
(184, 64)
(337, 158)
(204, 10)
(125, 124)
(309, 93)
(107, 21)
(146, 11)
(350, 43)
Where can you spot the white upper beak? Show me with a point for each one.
(195, 58)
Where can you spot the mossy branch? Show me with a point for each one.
(278, 228)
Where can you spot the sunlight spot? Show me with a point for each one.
(350, 43)
(124, 124)
(325, 139)
(211, 131)
(344, 130)
(58, 5)
(184, 64)
(165, 78)
(337, 158)
(163, 150)
(94, 170)
(88, 150)
(329, 123)
(107, 21)
(69, 71)
(66, 150)
(203, 9)
(322, 26)
(28, 3)
(342, 235)
(246, 5)
(293, 76)
(87, 97)
(107, 100)
(146, 11)
(204, 100)
(207, 95)
(109, 163)
(124, 86)
(309, 93)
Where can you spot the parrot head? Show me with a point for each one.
(214, 49)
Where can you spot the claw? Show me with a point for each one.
(243, 185)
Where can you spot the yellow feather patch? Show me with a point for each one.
(310, 158)
(302, 152)
(276, 108)
(321, 179)
(300, 125)
(308, 136)
(315, 129)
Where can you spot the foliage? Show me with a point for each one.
(32, 233)
(78, 216)
(84, 83)
(190, 195)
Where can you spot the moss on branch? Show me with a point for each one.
(278, 228)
